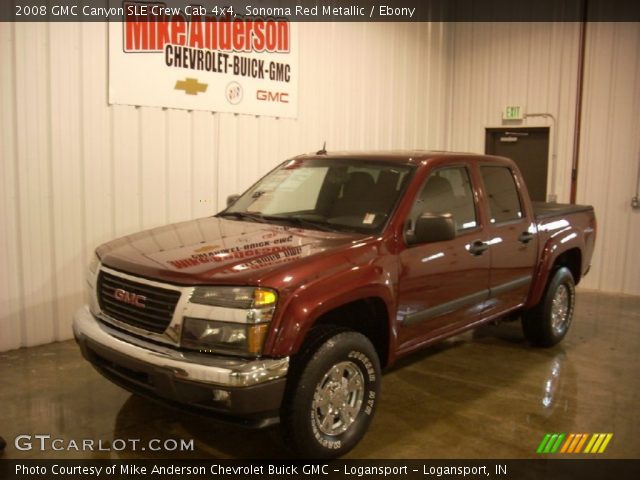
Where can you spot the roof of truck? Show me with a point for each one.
(400, 156)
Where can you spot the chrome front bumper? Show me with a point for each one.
(195, 367)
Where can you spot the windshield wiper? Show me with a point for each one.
(255, 217)
(303, 222)
(297, 221)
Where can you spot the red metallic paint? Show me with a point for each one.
(315, 272)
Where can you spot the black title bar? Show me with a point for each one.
(547, 469)
(334, 11)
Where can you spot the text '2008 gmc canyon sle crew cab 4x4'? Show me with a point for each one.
(286, 306)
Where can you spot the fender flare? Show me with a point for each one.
(301, 311)
(561, 242)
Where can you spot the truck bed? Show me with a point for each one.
(544, 210)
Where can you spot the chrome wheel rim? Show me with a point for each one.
(338, 398)
(560, 309)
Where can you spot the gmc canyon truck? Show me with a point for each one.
(285, 307)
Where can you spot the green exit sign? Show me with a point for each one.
(513, 112)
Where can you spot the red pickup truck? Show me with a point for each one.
(286, 306)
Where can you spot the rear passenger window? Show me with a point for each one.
(504, 203)
(448, 190)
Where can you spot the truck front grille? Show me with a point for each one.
(137, 304)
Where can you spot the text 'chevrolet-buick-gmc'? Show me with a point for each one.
(286, 306)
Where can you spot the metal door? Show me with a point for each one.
(529, 148)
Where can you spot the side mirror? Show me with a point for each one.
(431, 228)
(231, 199)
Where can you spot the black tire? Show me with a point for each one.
(313, 387)
(546, 325)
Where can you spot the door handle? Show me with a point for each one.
(478, 247)
(525, 237)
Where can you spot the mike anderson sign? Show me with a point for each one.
(203, 58)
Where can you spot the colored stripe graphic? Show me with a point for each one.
(556, 446)
(543, 443)
(573, 443)
(598, 442)
(582, 442)
(570, 444)
(570, 439)
(550, 443)
(606, 442)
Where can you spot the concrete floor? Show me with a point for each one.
(485, 394)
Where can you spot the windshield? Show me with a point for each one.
(326, 194)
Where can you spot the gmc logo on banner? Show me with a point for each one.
(130, 298)
(269, 96)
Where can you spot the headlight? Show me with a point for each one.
(224, 337)
(234, 297)
(232, 320)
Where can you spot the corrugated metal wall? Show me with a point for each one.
(529, 64)
(535, 65)
(610, 152)
(77, 172)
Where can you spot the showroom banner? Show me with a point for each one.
(196, 58)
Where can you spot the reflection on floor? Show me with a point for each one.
(482, 394)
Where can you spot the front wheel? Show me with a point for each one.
(548, 322)
(333, 397)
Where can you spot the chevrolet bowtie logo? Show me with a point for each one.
(191, 86)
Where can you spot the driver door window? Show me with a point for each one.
(447, 191)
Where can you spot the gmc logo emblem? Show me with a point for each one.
(130, 298)
(268, 96)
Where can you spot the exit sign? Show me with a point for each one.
(513, 112)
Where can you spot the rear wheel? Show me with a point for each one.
(333, 394)
(547, 323)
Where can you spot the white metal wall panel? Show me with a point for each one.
(529, 64)
(66, 174)
(153, 167)
(77, 172)
(97, 137)
(39, 315)
(610, 152)
(204, 164)
(11, 271)
(535, 65)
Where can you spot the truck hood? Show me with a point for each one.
(217, 251)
